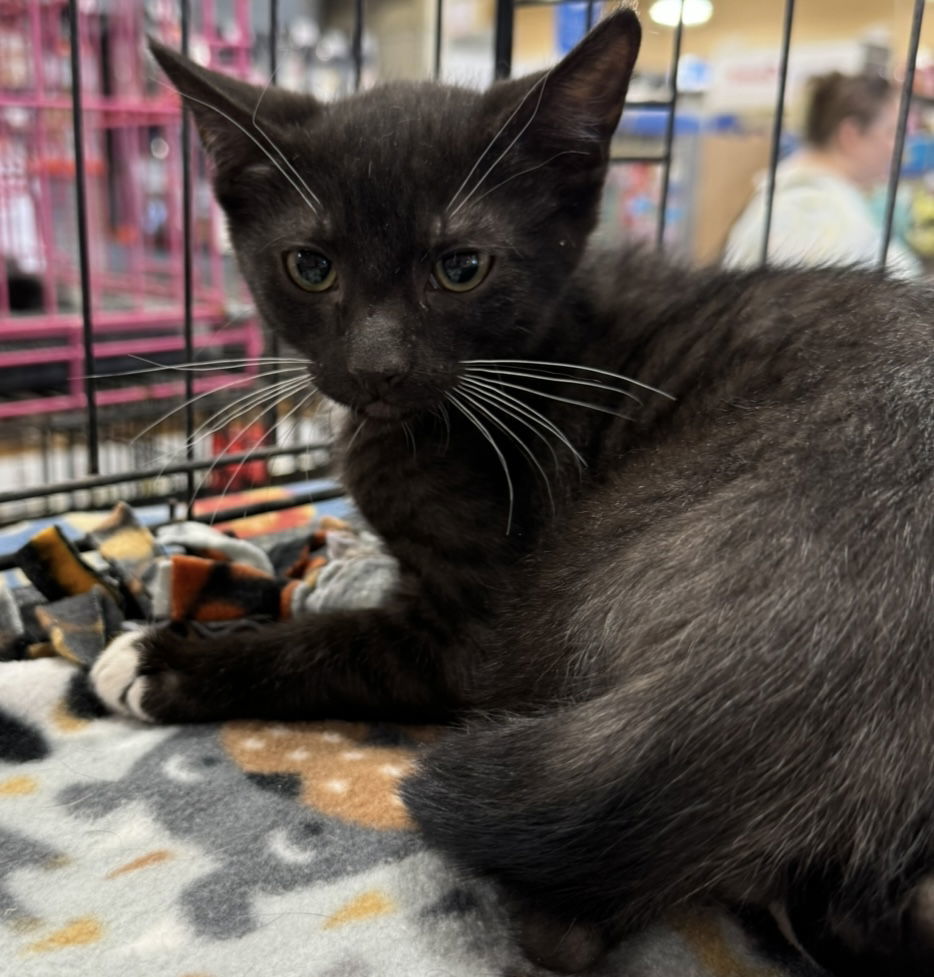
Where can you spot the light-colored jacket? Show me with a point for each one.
(818, 218)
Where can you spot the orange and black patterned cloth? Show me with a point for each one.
(76, 601)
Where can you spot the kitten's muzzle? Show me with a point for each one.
(383, 393)
(390, 398)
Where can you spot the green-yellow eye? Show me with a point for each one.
(310, 270)
(460, 271)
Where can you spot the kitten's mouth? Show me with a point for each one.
(380, 410)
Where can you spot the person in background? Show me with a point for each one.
(822, 213)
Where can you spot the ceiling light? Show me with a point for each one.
(692, 12)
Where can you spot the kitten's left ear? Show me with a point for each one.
(230, 113)
(582, 96)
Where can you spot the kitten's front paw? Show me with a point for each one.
(117, 676)
(164, 675)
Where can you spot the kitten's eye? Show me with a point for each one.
(460, 271)
(310, 270)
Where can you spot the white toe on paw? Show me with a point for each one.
(115, 676)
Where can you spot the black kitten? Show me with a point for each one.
(693, 628)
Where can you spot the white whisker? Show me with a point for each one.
(253, 400)
(502, 155)
(265, 398)
(530, 412)
(257, 143)
(569, 366)
(443, 411)
(250, 454)
(565, 400)
(231, 412)
(554, 379)
(469, 414)
(207, 393)
(492, 142)
(473, 399)
(282, 155)
(217, 424)
(220, 457)
(354, 436)
(530, 169)
(495, 399)
(198, 366)
(410, 438)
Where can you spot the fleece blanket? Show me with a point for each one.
(244, 849)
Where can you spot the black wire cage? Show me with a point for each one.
(80, 491)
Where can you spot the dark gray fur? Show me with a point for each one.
(707, 672)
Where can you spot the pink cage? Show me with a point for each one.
(132, 138)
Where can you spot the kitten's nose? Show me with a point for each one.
(377, 356)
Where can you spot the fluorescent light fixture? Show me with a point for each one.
(666, 12)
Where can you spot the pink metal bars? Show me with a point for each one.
(132, 202)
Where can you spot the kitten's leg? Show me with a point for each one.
(598, 819)
(398, 662)
(538, 803)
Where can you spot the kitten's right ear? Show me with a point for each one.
(230, 113)
(580, 99)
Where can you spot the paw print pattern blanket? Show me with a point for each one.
(246, 849)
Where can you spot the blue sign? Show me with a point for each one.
(571, 24)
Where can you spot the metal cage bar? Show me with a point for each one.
(186, 467)
(275, 348)
(188, 284)
(503, 28)
(895, 171)
(273, 39)
(777, 123)
(439, 33)
(81, 203)
(670, 131)
(357, 44)
(82, 104)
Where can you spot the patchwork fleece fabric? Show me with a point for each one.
(188, 571)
